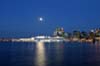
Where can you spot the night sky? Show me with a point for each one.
(22, 15)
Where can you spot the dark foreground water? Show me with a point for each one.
(49, 54)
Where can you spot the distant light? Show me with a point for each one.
(40, 19)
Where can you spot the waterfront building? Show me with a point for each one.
(67, 35)
(59, 32)
(97, 33)
(84, 34)
(92, 34)
(76, 34)
(48, 39)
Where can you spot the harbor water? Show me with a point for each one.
(49, 54)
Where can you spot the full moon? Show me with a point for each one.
(40, 19)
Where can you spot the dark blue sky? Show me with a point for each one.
(22, 15)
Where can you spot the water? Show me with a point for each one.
(49, 54)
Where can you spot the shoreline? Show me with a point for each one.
(97, 39)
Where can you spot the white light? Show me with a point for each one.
(40, 19)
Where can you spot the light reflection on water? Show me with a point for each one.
(59, 53)
(40, 54)
(49, 54)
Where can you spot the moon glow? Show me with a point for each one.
(41, 19)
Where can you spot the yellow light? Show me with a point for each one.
(40, 54)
